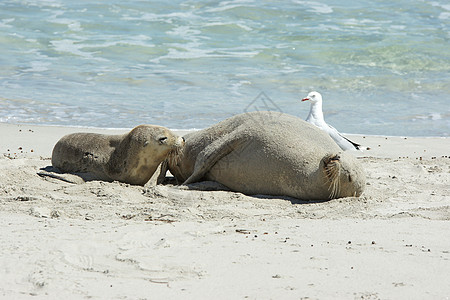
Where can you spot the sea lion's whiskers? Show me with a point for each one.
(175, 154)
(337, 182)
(333, 186)
(327, 175)
(332, 172)
(336, 186)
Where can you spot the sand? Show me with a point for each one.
(101, 240)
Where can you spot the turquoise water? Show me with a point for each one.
(383, 67)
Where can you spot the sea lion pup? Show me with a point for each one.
(270, 153)
(131, 158)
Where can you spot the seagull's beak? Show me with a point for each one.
(305, 99)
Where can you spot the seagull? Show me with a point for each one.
(315, 117)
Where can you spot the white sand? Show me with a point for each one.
(102, 240)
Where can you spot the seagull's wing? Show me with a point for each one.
(340, 139)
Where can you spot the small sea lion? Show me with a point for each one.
(270, 153)
(131, 158)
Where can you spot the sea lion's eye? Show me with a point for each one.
(162, 140)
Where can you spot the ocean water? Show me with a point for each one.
(383, 67)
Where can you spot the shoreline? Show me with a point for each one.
(24, 136)
(106, 129)
(109, 240)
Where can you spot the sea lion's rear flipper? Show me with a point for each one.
(56, 174)
(212, 153)
(75, 178)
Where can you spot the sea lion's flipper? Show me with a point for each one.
(66, 177)
(159, 176)
(75, 178)
(212, 153)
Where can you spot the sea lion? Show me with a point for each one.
(270, 153)
(131, 158)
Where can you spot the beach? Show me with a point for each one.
(110, 240)
(106, 67)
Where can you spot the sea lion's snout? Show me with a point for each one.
(180, 142)
(177, 150)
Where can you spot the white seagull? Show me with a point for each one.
(315, 117)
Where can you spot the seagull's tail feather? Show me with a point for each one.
(356, 145)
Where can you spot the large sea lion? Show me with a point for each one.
(131, 158)
(270, 153)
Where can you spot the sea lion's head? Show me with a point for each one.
(157, 138)
(145, 147)
(344, 174)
